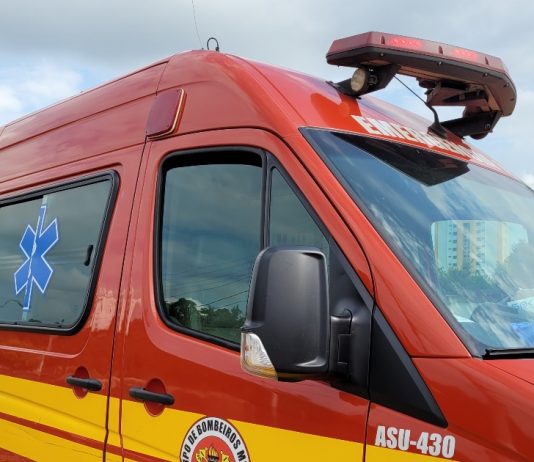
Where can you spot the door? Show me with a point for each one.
(204, 215)
(61, 254)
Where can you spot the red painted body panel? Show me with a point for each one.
(121, 91)
(104, 132)
(223, 92)
(484, 404)
(521, 368)
(203, 377)
(469, 446)
(11, 457)
(49, 359)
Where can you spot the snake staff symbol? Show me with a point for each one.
(35, 269)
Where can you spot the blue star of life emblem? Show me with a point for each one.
(35, 269)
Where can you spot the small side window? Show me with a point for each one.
(290, 222)
(48, 248)
(210, 237)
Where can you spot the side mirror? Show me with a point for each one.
(287, 326)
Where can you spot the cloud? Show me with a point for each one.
(50, 83)
(511, 143)
(125, 33)
(528, 179)
(26, 88)
(85, 43)
(9, 103)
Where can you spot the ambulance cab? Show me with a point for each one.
(217, 260)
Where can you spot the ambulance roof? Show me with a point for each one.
(225, 91)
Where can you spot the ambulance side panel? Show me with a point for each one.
(309, 420)
(78, 159)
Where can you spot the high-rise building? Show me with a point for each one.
(473, 245)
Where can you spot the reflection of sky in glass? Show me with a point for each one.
(290, 222)
(404, 205)
(211, 237)
(80, 214)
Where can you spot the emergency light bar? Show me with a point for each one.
(452, 76)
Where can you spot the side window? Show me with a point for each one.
(48, 247)
(210, 237)
(290, 223)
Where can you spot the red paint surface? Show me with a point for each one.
(489, 410)
(6, 456)
(202, 377)
(520, 368)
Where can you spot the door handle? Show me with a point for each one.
(88, 384)
(145, 395)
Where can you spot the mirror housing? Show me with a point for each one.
(287, 327)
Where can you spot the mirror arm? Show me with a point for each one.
(350, 343)
(340, 343)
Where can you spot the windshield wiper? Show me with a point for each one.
(509, 353)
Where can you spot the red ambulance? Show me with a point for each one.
(216, 260)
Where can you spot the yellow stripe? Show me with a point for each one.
(162, 437)
(52, 406)
(376, 454)
(155, 436)
(116, 458)
(266, 444)
(44, 447)
(113, 458)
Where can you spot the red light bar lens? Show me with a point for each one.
(414, 45)
(405, 42)
(465, 54)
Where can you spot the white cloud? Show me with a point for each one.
(528, 179)
(511, 143)
(102, 39)
(25, 89)
(48, 83)
(9, 103)
(122, 34)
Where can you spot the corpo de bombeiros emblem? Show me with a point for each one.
(212, 439)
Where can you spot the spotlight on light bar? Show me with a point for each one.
(452, 76)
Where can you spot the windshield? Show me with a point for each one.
(465, 233)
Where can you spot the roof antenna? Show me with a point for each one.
(436, 127)
(196, 24)
(216, 43)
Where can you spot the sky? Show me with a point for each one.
(54, 49)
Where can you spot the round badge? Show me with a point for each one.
(212, 439)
